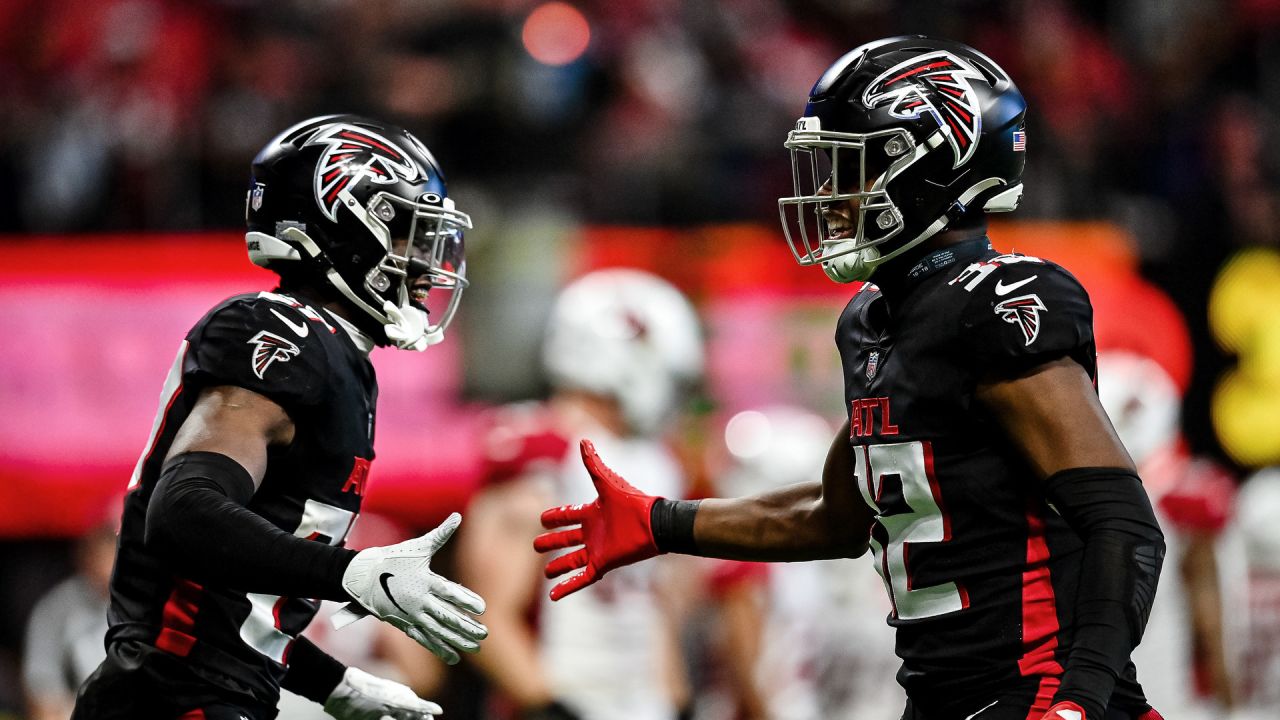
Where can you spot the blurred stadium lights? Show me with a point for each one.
(556, 34)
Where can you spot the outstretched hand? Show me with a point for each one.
(396, 584)
(613, 530)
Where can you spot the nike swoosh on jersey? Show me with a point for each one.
(299, 329)
(382, 580)
(988, 707)
(1002, 289)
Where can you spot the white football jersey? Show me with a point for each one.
(603, 647)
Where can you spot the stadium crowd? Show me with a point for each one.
(141, 115)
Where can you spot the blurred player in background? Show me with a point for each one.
(254, 473)
(1259, 518)
(64, 634)
(1144, 366)
(1019, 549)
(621, 349)
(824, 653)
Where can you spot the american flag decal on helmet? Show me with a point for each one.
(1023, 311)
(353, 154)
(938, 84)
(268, 348)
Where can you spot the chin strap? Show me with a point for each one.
(410, 329)
(852, 266)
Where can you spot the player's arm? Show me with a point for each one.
(807, 521)
(494, 560)
(1052, 415)
(349, 693)
(197, 515)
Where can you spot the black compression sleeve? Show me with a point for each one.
(1123, 552)
(197, 520)
(672, 525)
(312, 673)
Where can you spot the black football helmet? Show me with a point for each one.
(920, 132)
(361, 206)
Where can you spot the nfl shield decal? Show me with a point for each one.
(873, 364)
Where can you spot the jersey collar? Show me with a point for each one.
(899, 282)
(363, 342)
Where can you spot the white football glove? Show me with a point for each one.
(395, 584)
(361, 696)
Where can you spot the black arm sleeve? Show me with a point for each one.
(312, 673)
(196, 518)
(1123, 552)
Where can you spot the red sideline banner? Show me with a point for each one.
(91, 325)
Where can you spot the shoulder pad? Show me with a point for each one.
(1021, 311)
(266, 343)
(520, 439)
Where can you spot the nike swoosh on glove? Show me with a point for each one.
(395, 583)
(361, 696)
(613, 531)
(1065, 711)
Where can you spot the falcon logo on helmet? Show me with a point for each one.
(353, 154)
(1023, 311)
(937, 83)
(268, 348)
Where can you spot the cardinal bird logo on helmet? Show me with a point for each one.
(353, 154)
(1023, 311)
(936, 83)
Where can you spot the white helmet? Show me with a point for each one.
(625, 334)
(1257, 507)
(1142, 400)
(772, 447)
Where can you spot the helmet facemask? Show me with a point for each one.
(422, 251)
(830, 169)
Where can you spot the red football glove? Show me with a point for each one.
(1065, 711)
(1151, 715)
(615, 529)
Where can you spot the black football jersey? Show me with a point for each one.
(981, 572)
(221, 640)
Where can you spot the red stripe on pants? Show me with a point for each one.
(1039, 617)
(178, 620)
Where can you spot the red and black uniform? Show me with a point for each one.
(982, 572)
(178, 643)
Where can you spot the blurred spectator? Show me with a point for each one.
(66, 629)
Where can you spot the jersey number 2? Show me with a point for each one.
(917, 518)
(261, 629)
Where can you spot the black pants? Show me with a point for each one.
(1015, 704)
(128, 686)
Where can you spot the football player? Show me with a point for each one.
(1014, 538)
(621, 346)
(236, 513)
